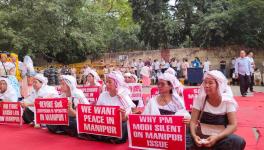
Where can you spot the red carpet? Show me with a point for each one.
(26, 137)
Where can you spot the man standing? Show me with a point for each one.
(223, 66)
(252, 69)
(242, 71)
(206, 65)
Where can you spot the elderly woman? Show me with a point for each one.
(115, 95)
(7, 91)
(40, 90)
(215, 112)
(69, 89)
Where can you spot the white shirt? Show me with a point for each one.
(106, 100)
(174, 64)
(251, 60)
(141, 64)
(156, 65)
(207, 66)
(178, 66)
(145, 71)
(222, 109)
(152, 108)
(167, 65)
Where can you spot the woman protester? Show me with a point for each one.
(7, 91)
(115, 95)
(213, 120)
(75, 96)
(40, 90)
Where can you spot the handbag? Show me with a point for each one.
(204, 130)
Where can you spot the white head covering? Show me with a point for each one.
(95, 75)
(223, 88)
(30, 71)
(171, 71)
(135, 77)
(45, 91)
(121, 86)
(41, 78)
(179, 86)
(131, 75)
(10, 94)
(77, 94)
(173, 80)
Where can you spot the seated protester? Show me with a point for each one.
(115, 95)
(92, 79)
(134, 78)
(7, 91)
(40, 90)
(257, 77)
(215, 110)
(179, 86)
(168, 102)
(75, 96)
(131, 78)
(127, 77)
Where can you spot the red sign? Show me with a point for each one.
(136, 91)
(10, 113)
(154, 91)
(156, 132)
(52, 111)
(91, 92)
(99, 120)
(189, 94)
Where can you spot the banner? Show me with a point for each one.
(156, 132)
(91, 92)
(189, 94)
(99, 120)
(51, 111)
(136, 91)
(154, 91)
(10, 113)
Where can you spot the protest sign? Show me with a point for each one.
(189, 94)
(51, 111)
(10, 113)
(99, 120)
(156, 132)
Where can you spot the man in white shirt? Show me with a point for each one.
(252, 69)
(206, 66)
(140, 66)
(135, 66)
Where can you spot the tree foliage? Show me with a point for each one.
(72, 30)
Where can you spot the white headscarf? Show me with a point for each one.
(171, 71)
(135, 77)
(223, 88)
(121, 86)
(95, 75)
(30, 71)
(173, 80)
(10, 95)
(45, 91)
(179, 86)
(131, 75)
(77, 94)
